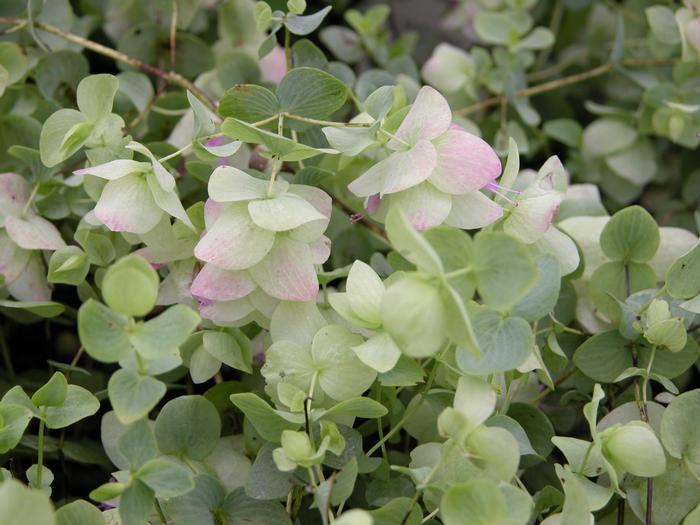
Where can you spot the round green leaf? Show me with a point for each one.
(68, 265)
(166, 477)
(505, 343)
(79, 512)
(504, 269)
(130, 286)
(679, 429)
(188, 425)
(476, 502)
(414, 315)
(603, 357)
(60, 69)
(103, 332)
(53, 146)
(341, 374)
(682, 278)
(13, 60)
(19, 504)
(133, 395)
(311, 93)
(78, 404)
(13, 422)
(249, 102)
(634, 448)
(630, 235)
(606, 136)
(609, 283)
(53, 393)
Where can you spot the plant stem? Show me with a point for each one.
(558, 382)
(645, 383)
(176, 153)
(30, 200)
(40, 448)
(171, 77)
(287, 48)
(328, 122)
(380, 427)
(408, 413)
(554, 24)
(156, 503)
(644, 415)
(431, 515)
(307, 409)
(173, 35)
(457, 273)
(142, 114)
(392, 136)
(563, 82)
(265, 121)
(650, 499)
(582, 469)
(7, 357)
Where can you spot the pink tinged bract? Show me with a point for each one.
(34, 233)
(429, 117)
(318, 198)
(127, 205)
(263, 303)
(168, 201)
(215, 284)
(13, 259)
(323, 203)
(465, 163)
(424, 206)
(229, 184)
(282, 213)
(399, 171)
(234, 242)
(212, 211)
(557, 243)
(31, 284)
(288, 272)
(273, 66)
(115, 169)
(372, 203)
(447, 68)
(692, 33)
(14, 193)
(227, 312)
(164, 177)
(533, 215)
(320, 250)
(473, 210)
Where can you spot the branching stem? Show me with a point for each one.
(169, 76)
(563, 82)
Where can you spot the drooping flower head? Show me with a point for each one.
(450, 69)
(22, 233)
(533, 212)
(435, 169)
(261, 245)
(137, 194)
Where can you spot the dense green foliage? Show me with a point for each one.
(273, 263)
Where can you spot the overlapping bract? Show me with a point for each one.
(261, 245)
(22, 234)
(434, 171)
(137, 194)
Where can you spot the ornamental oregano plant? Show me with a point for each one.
(349, 263)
